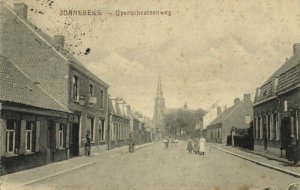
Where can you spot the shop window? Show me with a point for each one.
(90, 127)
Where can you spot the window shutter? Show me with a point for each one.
(22, 137)
(64, 135)
(37, 136)
(33, 138)
(2, 137)
(267, 126)
(67, 135)
(271, 127)
(57, 135)
(278, 126)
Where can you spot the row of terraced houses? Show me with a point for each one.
(49, 101)
(274, 114)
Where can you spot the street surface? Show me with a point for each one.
(152, 167)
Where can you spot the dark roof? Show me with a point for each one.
(60, 51)
(288, 77)
(224, 115)
(17, 87)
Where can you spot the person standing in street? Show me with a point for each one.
(131, 143)
(202, 145)
(87, 145)
(190, 145)
(294, 146)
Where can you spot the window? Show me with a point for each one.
(285, 105)
(247, 119)
(75, 88)
(276, 126)
(275, 84)
(101, 99)
(297, 124)
(91, 90)
(11, 136)
(90, 127)
(269, 125)
(91, 93)
(258, 92)
(259, 128)
(29, 136)
(61, 135)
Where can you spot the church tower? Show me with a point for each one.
(159, 111)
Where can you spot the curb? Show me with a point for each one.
(54, 175)
(259, 163)
(268, 157)
(74, 168)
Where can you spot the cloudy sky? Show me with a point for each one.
(206, 51)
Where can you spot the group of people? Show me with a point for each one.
(197, 146)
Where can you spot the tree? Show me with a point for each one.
(181, 123)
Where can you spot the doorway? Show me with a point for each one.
(285, 135)
(50, 141)
(74, 140)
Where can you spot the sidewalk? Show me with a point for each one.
(266, 160)
(34, 175)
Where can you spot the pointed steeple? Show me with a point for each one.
(159, 110)
(185, 107)
(159, 88)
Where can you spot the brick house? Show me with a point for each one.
(119, 122)
(44, 60)
(33, 125)
(276, 108)
(239, 116)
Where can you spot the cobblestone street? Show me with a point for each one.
(152, 167)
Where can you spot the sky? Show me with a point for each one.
(206, 52)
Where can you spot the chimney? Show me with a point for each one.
(247, 97)
(296, 48)
(21, 9)
(128, 108)
(124, 107)
(113, 102)
(219, 110)
(59, 41)
(236, 101)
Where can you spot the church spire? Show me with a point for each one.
(159, 111)
(185, 107)
(159, 88)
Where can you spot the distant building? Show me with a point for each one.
(119, 122)
(238, 116)
(159, 111)
(211, 115)
(276, 108)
